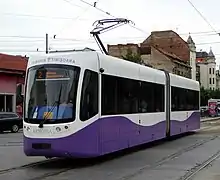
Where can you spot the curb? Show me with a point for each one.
(210, 119)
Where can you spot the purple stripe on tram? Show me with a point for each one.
(107, 135)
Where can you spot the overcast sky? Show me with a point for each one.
(24, 23)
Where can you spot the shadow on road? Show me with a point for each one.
(76, 163)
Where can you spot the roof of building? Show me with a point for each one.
(10, 62)
(202, 54)
(190, 40)
(172, 56)
(211, 54)
(170, 42)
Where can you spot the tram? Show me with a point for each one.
(87, 104)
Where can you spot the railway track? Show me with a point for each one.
(30, 165)
(194, 171)
(82, 163)
(158, 163)
(50, 174)
(169, 158)
(11, 144)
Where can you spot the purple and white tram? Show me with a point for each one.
(86, 104)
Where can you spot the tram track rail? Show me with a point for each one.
(53, 173)
(156, 164)
(169, 157)
(26, 166)
(195, 170)
(11, 144)
(50, 174)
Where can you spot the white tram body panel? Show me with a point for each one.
(117, 104)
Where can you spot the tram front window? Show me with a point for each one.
(51, 94)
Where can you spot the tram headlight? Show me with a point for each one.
(58, 129)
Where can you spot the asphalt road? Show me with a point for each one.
(195, 156)
(11, 151)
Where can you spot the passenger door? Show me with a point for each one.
(89, 95)
(89, 113)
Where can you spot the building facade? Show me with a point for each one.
(163, 50)
(120, 50)
(160, 59)
(217, 79)
(192, 56)
(12, 72)
(207, 65)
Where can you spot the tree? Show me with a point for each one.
(206, 94)
(133, 57)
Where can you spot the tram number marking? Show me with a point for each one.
(43, 131)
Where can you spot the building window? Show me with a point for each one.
(213, 70)
(213, 81)
(6, 103)
(210, 70)
(210, 80)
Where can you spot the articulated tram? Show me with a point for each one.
(86, 104)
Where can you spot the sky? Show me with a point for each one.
(24, 23)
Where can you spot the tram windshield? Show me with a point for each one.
(51, 94)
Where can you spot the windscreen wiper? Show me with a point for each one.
(58, 103)
(48, 113)
(41, 124)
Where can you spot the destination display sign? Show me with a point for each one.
(51, 74)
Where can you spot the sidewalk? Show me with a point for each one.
(205, 119)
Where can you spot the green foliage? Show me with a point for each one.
(132, 57)
(206, 94)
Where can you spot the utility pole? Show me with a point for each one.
(46, 43)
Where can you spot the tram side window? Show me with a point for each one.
(146, 97)
(109, 95)
(197, 98)
(127, 96)
(89, 95)
(184, 99)
(193, 100)
(119, 95)
(189, 99)
(151, 97)
(159, 98)
(178, 99)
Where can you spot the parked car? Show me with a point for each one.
(204, 111)
(10, 121)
